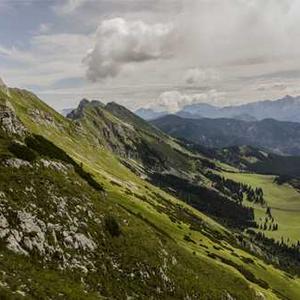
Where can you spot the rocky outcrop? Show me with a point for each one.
(41, 117)
(9, 122)
(64, 239)
(79, 111)
(16, 163)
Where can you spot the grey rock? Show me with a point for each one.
(9, 121)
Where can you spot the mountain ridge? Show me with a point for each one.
(181, 254)
(280, 137)
(283, 109)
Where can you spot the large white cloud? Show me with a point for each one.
(173, 101)
(244, 48)
(120, 42)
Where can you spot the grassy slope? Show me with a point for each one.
(283, 199)
(106, 169)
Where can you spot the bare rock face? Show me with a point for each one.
(9, 121)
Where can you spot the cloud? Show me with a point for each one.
(279, 86)
(241, 31)
(50, 57)
(120, 42)
(69, 6)
(241, 47)
(173, 101)
(44, 28)
(197, 76)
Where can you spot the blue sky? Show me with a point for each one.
(160, 53)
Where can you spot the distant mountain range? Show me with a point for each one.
(103, 205)
(149, 114)
(284, 109)
(66, 111)
(276, 136)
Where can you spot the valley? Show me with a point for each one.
(284, 201)
(89, 182)
(149, 150)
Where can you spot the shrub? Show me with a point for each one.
(112, 226)
(47, 148)
(22, 152)
(188, 239)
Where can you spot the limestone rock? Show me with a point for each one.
(16, 163)
(9, 121)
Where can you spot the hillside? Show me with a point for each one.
(278, 137)
(79, 220)
(258, 161)
(158, 158)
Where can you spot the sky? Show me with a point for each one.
(160, 54)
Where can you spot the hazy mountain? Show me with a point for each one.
(285, 109)
(244, 117)
(188, 115)
(149, 114)
(275, 136)
(66, 111)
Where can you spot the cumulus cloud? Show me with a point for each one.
(120, 42)
(245, 48)
(173, 101)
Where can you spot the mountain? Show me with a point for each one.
(102, 205)
(275, 136)
(66, 111)
(244, 117)
(149, 114)
(188, 115)
(285, 109)
(252, 159)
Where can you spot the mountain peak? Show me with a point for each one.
(114, 104)
(78, 112)
(84, 102)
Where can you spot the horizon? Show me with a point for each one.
(150, 149)
(154, 108)
(166, 53)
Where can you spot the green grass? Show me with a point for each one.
(157, 222)
(284, 201)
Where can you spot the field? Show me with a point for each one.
(284, 201)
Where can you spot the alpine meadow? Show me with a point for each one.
(149, 149)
